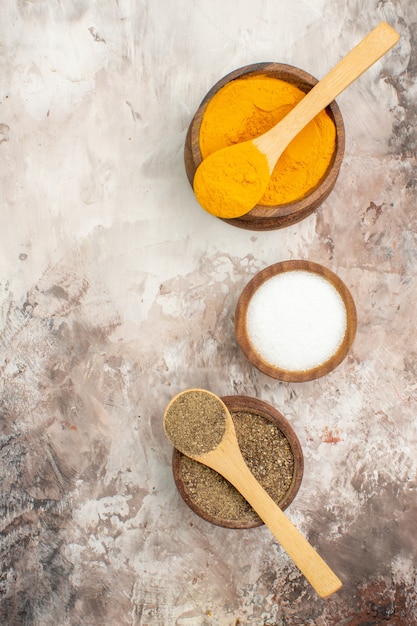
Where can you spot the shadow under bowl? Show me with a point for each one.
(191, 477)
(253, 355)
(271, 217)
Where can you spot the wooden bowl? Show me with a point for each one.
(294, 375)
(248, 518)
(271, 217)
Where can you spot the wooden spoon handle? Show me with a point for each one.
(305, 557)
(381, 39)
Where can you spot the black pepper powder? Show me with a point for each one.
(195, 422)
(268, 455)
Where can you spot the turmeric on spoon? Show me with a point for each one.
(245, 108)
(231, 181)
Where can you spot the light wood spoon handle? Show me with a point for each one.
(228, 461)
(381, 39)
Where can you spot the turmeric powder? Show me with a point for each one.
(230, 181)
(247, 107)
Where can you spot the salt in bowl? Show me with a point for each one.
(295, 321)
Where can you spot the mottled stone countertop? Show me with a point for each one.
(118, 291)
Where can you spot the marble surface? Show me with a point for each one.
(118, 291)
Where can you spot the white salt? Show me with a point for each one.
(296, 320)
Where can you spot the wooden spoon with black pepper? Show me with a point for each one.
(200, 426)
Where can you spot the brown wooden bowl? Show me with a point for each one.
(271, 217)
(284, 374)
(248, 518)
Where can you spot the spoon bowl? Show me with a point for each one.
(200, 426)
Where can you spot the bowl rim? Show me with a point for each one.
(294, 375)
(292, 211)
(272, 414)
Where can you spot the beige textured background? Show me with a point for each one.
(117, 291)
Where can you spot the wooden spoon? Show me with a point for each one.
(231, 181)
(200, 426)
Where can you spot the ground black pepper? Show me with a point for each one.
(195, 422)
(268, 455)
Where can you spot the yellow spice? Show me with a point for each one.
(248, 107)
(230, 182)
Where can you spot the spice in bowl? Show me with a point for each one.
(295, 320)
(249, 106)
(272, 452)
(242, 106)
